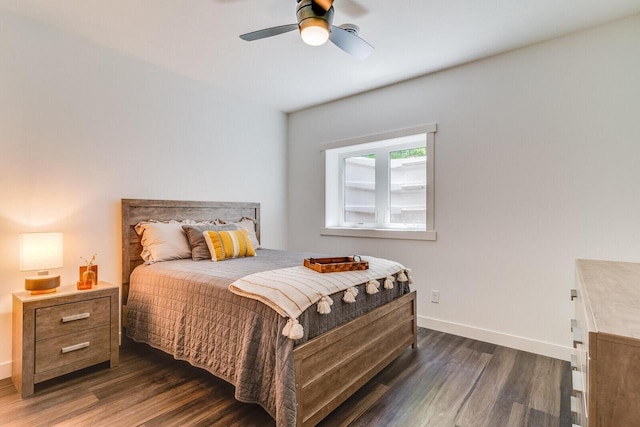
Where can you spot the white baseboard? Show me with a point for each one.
(499, 338)
(5, 369)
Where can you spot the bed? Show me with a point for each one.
(298, 382)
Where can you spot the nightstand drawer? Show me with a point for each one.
(72, 317)
(63, 350)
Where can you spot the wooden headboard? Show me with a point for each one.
(136, 210)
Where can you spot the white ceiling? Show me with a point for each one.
(199, 38)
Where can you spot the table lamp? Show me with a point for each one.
(39, 252)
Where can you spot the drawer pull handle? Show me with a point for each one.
(574, 294)
(574, 362)
(73, 317)
(577, 336)
(75, 347)
(574, 324)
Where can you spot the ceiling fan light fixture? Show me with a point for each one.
(314, 31)
(315, 19)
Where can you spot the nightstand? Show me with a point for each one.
(61, 332)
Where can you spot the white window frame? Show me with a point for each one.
(334, 224)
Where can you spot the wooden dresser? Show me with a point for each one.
(606, 339)
(61, 332)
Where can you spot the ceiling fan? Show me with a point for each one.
(315, 18)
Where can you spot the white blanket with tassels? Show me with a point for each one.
(290, 291)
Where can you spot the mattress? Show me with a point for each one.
(184, 308)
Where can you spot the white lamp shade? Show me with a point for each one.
(40, 251)
(314, 31)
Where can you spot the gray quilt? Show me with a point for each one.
(184, 308)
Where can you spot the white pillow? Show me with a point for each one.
(163, 241)
(248, 224)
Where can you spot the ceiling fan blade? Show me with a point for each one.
(350, 43)
(268, 32)
(324, 4)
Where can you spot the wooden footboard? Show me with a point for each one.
(333, 366)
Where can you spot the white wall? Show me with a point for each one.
(82, 127)
(537, 164)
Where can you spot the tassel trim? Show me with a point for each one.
(409, 276)
(388, 282)
(372, 287)
(350, 295)
(293, 330)
(324, 305)
(402, 276)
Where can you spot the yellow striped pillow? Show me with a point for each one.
(228, 244)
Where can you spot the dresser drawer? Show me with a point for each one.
(66, 349)
(72, 317)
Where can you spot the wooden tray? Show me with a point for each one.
(332, 265)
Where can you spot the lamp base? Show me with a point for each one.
(41, 284)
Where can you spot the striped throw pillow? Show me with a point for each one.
(228, 244)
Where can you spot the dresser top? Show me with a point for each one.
(612, 293)
(63, 291)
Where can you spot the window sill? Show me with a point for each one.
(378, 233)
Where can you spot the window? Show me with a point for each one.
(381, 185)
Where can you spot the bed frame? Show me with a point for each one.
(328, 368)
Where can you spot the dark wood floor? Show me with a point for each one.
(447, 381)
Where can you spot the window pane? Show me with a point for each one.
(360, 189)
(408, 186)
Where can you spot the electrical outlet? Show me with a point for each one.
(435, 296)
